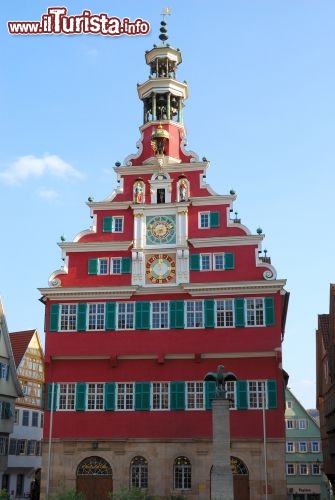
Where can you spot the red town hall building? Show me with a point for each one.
(163, 287)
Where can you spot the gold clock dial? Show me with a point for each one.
(161, 268)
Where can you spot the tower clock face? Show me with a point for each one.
(160, 269)
(161, 229)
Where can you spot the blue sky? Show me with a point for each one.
(261, 76)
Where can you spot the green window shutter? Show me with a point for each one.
(209, 313)
(177, 314)
(109, 396)
(214, 219)
(142, 395)
(110, 315)
(142, 315)
(80, 396)
(92, 267)
(81, 322)
(239, 312)
(125, 265)
(107, 224)
(229, 260)
(177, 395)
(54, 317)
(242, 394)
(210, 391)
(195, 262)
(269, 311)
(272, 394)
(55, 386)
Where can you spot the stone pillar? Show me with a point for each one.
(221, 477)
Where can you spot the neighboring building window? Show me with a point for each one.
(116, 266)
(3, 445)
(4, 367)
(289, 423)
(25, 417)
(303, 470)
(117, 225)
(125, 396)
(42, 420)
(289, 404)
(195, 396)
(125, 315)
(96, 316)
(67, 395)
(34, 419)
(5, 482)
(21, 447)
(315, 446)
(159, 315)
(255, 312)
(12, 446)
(19, 484)
(5, 410)
(17, 416)
(218, 261)
(290, 469)
(95, 396)
(302, 424)
(68, 317)
(231, 393)
(160, 396)
(302, 447)
(205, 262)
(316, 469)
(139, 473)
(256, 394)
(224, 313)
(32, 445)
(182, 473)
(194, 314)
(289, 447)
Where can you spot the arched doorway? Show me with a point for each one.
(240, 479)
(94, 478)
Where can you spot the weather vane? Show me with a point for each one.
(166, 12)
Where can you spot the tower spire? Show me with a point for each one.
(163, 29)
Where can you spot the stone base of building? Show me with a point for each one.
(247, 462)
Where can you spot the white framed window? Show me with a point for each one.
(303, 469)
(159, 315)
(117, 226)
(289, 447)
(316, 469)
(34, 419)
(68, 317)
(218, 261)
(125, 315)
(182, 473)
(16, 416)
(290, 423)
(231, 393)
(32, 445)
(21, 447)
(139, 473)
(103, 266)
(3, 370)
(125, 396)
(195, 396)
(315, 446)
(255, 312)
(160, 396)
(257, 394)
(66, 397)
(204, 220)
(302, 423)
(194, 314)
(302, 447)
(116, 265)
(205, 262)
(25, 418)
(290, 469)
(95, 396)
(96, 316)
(224, 313)
(289, 404)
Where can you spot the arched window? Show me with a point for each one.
(237, 466)
(94, 466)
(139, 472)
(182, 473)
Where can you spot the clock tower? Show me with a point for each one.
(161, 289)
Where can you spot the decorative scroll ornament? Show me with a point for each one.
(55, 282)
(269, 275)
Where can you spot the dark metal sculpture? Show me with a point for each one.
(220, 378)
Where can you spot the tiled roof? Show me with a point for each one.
(20, 342)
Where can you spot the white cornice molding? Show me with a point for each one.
(181, 168)
(107, 205)
(218, 199)
(233, 288)
(221, 241)
(95, 246)
(88, 293)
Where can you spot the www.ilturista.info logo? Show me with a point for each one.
(57, 22)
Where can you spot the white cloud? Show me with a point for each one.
(25, 167)
(48, 194)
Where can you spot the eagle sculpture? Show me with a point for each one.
(220, 378)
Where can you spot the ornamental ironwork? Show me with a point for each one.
(94, 466)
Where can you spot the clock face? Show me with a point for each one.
(161, 229)
(160, 269)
